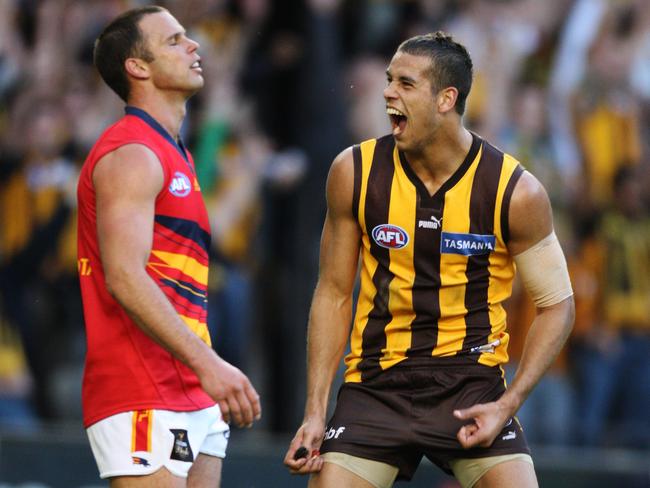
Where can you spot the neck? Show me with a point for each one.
(444, 152)
(168, 112)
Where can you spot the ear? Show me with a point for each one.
(137, 68)
(446, 99)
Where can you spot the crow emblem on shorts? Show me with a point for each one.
(140, 461)
(181, 450)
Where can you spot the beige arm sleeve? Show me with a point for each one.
(544, 272)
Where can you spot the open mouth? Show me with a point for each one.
(397, 120)
(196, 65)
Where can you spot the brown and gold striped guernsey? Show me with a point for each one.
(435, 269)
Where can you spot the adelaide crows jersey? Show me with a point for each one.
(125, 369)
(435, 268)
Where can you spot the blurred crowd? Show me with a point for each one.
(563, 85)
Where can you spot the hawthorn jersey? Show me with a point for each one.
(125, 369)
(435, 268)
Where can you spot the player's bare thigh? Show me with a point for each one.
(205, 472)
(334, 476)
(162, 478)
(510, 474)
(341, 469)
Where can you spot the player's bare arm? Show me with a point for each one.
(331, 311)
(127, 182)
(531, 223)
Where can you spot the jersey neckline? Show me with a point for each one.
(427, 199)
(155, 125)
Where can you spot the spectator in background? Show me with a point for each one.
(527, 133)
(252, 169)
(615, 372)
(229, 168)
(37, 276)
(366, 86)
(47, 119)
(235, 209)
(594, 113)
(499, 35)
(607, 112)
(567, 72)
(16, 411)
(547, 413)
(590, 338)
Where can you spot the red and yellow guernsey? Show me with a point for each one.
(125, 369)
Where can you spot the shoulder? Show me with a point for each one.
(364, 151)
(530, 215)
(125, 132)
(340, 181)
(343, 164)
(529, 191)
(348, 166)
(125, 129)
(133, 156)
(131, 165)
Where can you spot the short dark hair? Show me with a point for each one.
(451, 64)
(120, 40)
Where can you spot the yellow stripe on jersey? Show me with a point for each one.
(453, 281)
(155, 267)
(188, 265)
(368, 269)
(401, 212)
(501, 275)
(199, 328)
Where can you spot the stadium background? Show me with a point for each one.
(563, 85)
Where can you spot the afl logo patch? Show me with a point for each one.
(390, 236)
(180, 185)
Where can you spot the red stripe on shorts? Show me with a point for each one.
(141, 432)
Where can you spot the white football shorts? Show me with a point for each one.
(142, 441)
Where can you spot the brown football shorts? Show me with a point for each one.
(406, 412)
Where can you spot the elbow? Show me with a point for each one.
(568, 312)
(112, 284)
(116, 281)
(571, 312)
(563, 314)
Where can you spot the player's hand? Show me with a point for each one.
(307, 441)
(487, 420)
(231, 389)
